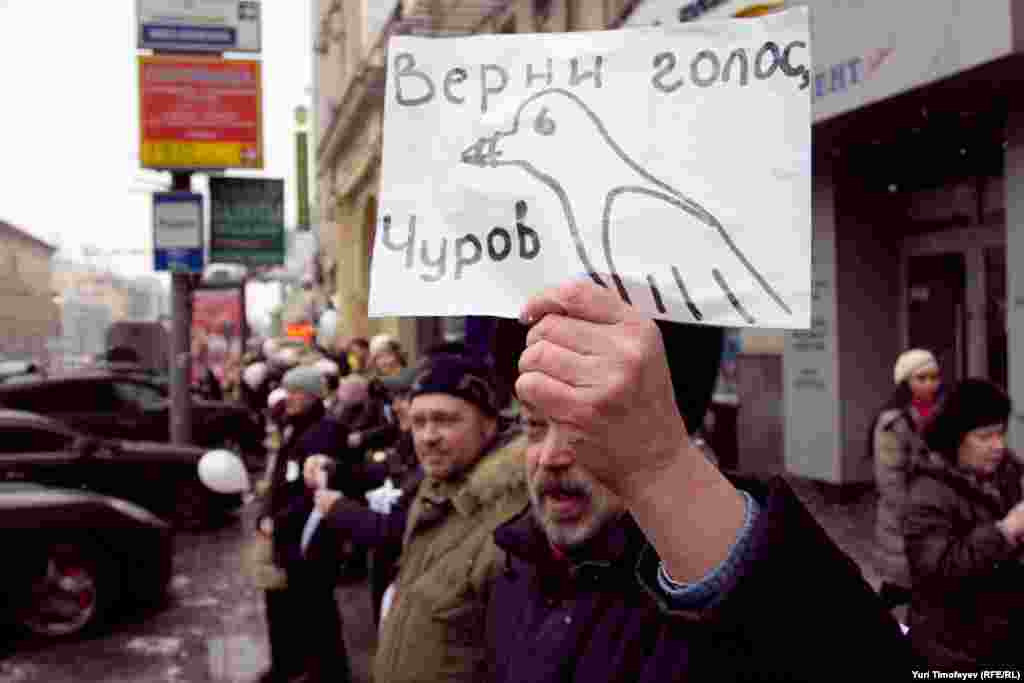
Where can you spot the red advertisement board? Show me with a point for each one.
(216, 330)
(200, 112)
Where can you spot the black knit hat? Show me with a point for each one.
(970, 404)
(457, 376)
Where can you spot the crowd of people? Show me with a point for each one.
(579, 534)
(950, 520)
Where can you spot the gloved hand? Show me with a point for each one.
(1012, 525)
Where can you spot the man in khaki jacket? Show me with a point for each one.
(474, 480)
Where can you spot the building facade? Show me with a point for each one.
(28, 314)
(90, 299)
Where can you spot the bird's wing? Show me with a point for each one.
(671, 257)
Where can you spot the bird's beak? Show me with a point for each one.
(483, 152)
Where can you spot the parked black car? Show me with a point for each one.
(162, 478)
(72, 557)
(122, 405)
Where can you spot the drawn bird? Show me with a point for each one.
(552, 130)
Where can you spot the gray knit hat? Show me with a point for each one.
(304, 378)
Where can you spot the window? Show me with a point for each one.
(29, 400)
(141, 397)
(32, 440)
(92, 397)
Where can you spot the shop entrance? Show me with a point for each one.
(995, 314)
(955, 300)
(936, 320)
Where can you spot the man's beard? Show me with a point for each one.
(597, 510)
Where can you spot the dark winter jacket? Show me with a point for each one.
(967, 608)
(798, 610)
(256, 399)
(380, 436)
(308, 434)
(321, 564)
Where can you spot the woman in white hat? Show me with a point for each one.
(386, 357)
(894, 439)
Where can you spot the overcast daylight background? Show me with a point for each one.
(69, 130)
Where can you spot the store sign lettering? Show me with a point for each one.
(848, 74)
(693, 10)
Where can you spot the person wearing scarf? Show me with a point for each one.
(894, 439)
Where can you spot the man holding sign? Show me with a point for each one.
(637, 560)
(670, 168)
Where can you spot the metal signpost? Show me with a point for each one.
(302, 178)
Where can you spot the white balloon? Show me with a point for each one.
(327, 329)
(223, 471)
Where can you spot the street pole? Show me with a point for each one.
(181, 340)
(244, 323)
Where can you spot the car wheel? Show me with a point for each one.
(76, 587)
(191, 507)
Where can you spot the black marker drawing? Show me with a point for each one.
(555, 110)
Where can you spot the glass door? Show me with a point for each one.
(937, 321)
(995, 313)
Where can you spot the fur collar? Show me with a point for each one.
(889, 419)
(500, 471)
(967, 482)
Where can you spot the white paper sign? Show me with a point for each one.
(178, 224)
(671, 164)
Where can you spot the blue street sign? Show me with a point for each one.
(179, 260)
(178, 232)
(163, 35)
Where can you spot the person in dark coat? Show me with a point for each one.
(394, 439)
(358, 412)
(310, 554)
(308, 431)
(637, 560)
(963, 524)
